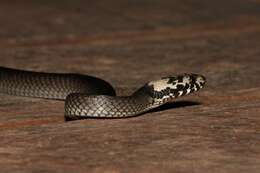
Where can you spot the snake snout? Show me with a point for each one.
(199, 80)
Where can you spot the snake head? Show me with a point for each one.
(170, 87)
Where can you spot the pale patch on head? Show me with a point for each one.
(165, 83)
(162, 84)
(185, 80)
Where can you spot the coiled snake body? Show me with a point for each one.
(87, 96)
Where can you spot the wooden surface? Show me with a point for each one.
(128, 43)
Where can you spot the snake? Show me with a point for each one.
(91, 97)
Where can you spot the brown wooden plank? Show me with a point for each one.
(129, 43)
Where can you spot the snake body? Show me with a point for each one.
(87, 96)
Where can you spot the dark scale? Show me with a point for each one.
(184, 92)
(167, 91)
(172, 80)
(180, 87)
(193, 79)
(161, 94)
(197, 86)
(180, 78)
(175, 92)
(192, 85)
(186, 87)
(158, 94)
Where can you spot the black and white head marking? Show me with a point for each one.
(175, 86)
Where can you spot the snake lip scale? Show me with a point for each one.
(91, 97)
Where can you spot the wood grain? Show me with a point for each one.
(129, 43)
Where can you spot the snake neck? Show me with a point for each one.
(145, 94)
